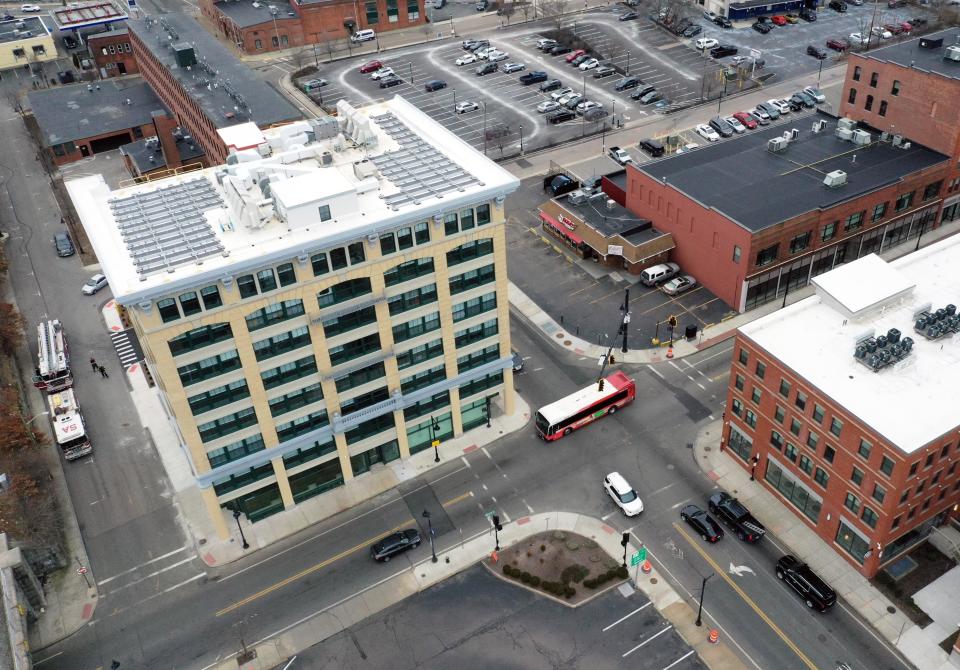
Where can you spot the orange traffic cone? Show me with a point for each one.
(714, 636)
(669, 352)
(494, 556)
(646, 567)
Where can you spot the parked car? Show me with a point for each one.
(779, 105)
(387, 82)
(29, 9)
(586, 106)
(762, 28)
(603, 71)
(681, 26)
(859, 38)
(372, 66)
(705, 43)
(779, 20)
(559, 49)
(627, 82)
(589, 64)
(579, 59)
(562, 93)
(94, 284)
(510, 68)
(548, 86)
(466, 59)
(808, 15)
(771, 110)
(723, 128)
(760, 116)
(693, 31)
(622, 494)
(678, 285)
(494, 56)
(792, 18)
(466, 106)
(486, 68)
(653, 147)
(746, 120)
(816, 52)
(882, 33)
(703, 523)
(479, 44)
(546, 44)
(642, 91)
(838, 6)
(628, 16)
(516, 361)
(434, 85)
(896, 28)
(738, 127)
(837, 44)
(548, 106)
(314, 84)
(364, 35)
(892, 4)
(394, 544)
(63, 244)
(918, 21)
(814, 591)
(481, 6)
(69, 41)
(736, 517)
(575, 54)
(816, 94)
(723, 22)
(723, 50)
(534, 77)
(804, 99)
(561, 116)
(650, 97)
(572, 103)
(383, 73)
(707, 133)
(709, 16)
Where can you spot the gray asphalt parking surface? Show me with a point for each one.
(476, 620)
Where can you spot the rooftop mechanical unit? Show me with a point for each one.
(861, 137)
(952, 53)
(877, 353)
(835, 179)
(777, 144)
(935, 324)
(847, 124)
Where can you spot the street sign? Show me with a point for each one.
(643, 553)
(81, 570)
(435, 443)
(635, 558)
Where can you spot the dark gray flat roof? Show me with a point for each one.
(612, 220)
(745, 182)
(244, 14)
(141, 151)
(74, 112)
(618, 178)
(32, 24)
(107, 33)
(216, 74)
(909, 54)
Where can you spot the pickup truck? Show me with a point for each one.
(620, 155)
(736, 517)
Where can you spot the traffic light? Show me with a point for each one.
(496, 522)
(625, 540)
(600, 386)
(612, 359)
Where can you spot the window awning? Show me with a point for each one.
(560, 228)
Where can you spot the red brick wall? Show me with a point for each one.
(122, 53)
(840, 470)
(146, 130)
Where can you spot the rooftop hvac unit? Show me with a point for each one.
(844, 134)
(884, 136)
(326, 158)
(819, 126)
(861, 137)
(791, 134)
(835, 179)
(905, 145)
(777, 144)
(897, 140)
(577, 197)
(611, 203)
(848, 124)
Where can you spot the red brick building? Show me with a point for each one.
(204, 85)
(112, 53)
(753, 218)
(863, 450)
(911, 89)
(270, 26)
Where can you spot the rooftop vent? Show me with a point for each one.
(861, 137)
(934, 324)
(835, 179)
(777, 144)
(577, 197)
(930, 43)
(819, 126)
(879, 352)
(952, 53)
(844, 134)
(848, 124)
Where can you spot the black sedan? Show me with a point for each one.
(560, 49)
(627, 82)
(703, 523)
(723, 22)
(387, 82)
(534, 77)
(394, 544)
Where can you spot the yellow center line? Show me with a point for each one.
(718, 570)
(454, 501)
(308, 571)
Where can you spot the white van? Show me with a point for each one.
(363, 35)
(657, 274)
(438, 4)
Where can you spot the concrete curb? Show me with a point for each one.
(540, 592)
(275, 650)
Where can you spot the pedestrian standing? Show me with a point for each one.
(93, 363)
(103, 372)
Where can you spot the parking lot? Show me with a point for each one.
(476, 620)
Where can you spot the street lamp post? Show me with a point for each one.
(454, 101)
(484, 127)
(628, 63)
(624, 541)
(521, 140)
(411, 72)
(703, 590)
(236, 515)
(486, 407)
(434, 427)
(496, 531)
(433, 549)
(819, 72)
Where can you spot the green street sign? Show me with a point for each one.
(642, 553)
(635, 558)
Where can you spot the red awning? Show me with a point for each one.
(560, 228)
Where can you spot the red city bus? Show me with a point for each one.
(580, 408)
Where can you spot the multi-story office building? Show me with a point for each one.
(842, 404)
(910, 89)
(333, 298)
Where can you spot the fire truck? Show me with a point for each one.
(53, 362)
(68, 428)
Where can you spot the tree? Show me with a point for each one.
(300, 58)
(507, 9)
(11, 328)
(554, 9)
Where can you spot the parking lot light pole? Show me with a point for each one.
(411, 71)
(433, 549)
(454, 100)
(628, 63)
(521, 140)
(819, 72)
(703, 589)
(484, 127)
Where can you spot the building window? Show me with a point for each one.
(904, 201)
(854, 221)
(904, 496)
(275, 41)
(768, 255)
(168, 310)
(19, 53)
(751, 419)
(469, 251)
(344, 291)
(474, 306)
(779, 413)
(472, 279)
(364, 400)
(864, 449)
(218, 397)
(821, 477)
(393, 12)
(776, 440)
(886, 466)
(199, 337)
(801, 401)
(800, 242)
(852, 96)
(761, 369)
(857, 70)
(373, 17)
(896, 522)
(927, 463)
(476, 333)
(736, 407)
(879, 211)
(355, 349)
(818, 413)
(282, 343)
(286, 274)
(869, 517)
(755, 395)
(360, 377)
(794, 491)
(784, 388)
(320, 264)
(189, 303)
(874, 78)
(413, 10)
(210, 367)
(407, 271)
(836, 425)
(829, 453)
(879, 493)
(416, 328)
(806, 464)
(288, 372)
(744, 357)
(895, 88)
(856, 476)
(235, 451)
(883, 108)
(790, 452)
(351, 321)
(419, 354)
(422, 379)
(936, 478)
(266, 280)
(945, 450)
(275, 313)
(412, 299)
(812, 440)
(295, 399)
(795, 427)
(932, 190)
(247, 286)
(324, 211)
(854, 545)
(739, 382)
(913, 468)
(828, 231)
(258, 45)
(852, 503)
(736, 253)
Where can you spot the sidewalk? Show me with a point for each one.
(273, 652)
(855, 590)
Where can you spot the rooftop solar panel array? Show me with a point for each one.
(417, 169)
(165, 229)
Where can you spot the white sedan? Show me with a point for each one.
(705, 43)
(556, 95)
(589, 64)
(859, 38)
(678, 285)
(735, 124)
(464, 107)
(494, 56)
(707, 133)
(779, 105)
(30, 8)
(466, 59)
(882, 32)
(622, 494)
(383, 73)
(548, 106)
(94, 284)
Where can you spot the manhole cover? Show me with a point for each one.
(560, 336)
(567, 343)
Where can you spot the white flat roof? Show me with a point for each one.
(377, 167)
(911, 402)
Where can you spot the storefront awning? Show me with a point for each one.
(560, 228)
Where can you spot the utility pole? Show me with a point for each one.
(626, 318)
(703, 590)
(606, 359)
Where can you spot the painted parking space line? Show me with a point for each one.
(624, 618)
(648, 640)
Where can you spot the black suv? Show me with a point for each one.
(654, 148)
(736, 517)
(63, 245)
(722, 50)
(808, 15)
(804, 581)
(434, 85)
(551, 85)
(395, 543)
(534, 77)
(838, 6)
(816, 52)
